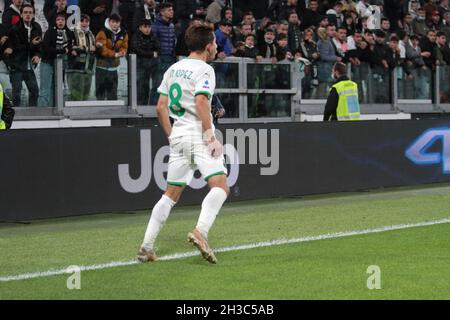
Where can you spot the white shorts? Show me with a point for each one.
(187, 155)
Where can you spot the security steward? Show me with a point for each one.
(342, 103)
(6, 111)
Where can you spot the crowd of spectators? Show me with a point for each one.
(377, 34)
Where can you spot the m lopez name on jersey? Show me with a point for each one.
(252, 147)
(186, 74)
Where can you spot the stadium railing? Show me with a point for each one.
(258, 92)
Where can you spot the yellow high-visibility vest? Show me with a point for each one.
(348, 105)
(2, 123)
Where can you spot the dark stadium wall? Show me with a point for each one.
(64, 172)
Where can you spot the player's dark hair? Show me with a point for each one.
(198, 37)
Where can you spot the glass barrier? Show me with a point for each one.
(227, 75)
(149, 73)
(444, 84)
(374, 84)
(87, 78)
(269, 76)
(23, 87)
(308, 74)
(230, 102)
(414, 83)
(269, 105)
(320, 87)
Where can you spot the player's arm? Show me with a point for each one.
(204, 114)
(163, 114)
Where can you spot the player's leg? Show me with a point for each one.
(214, 171)
(212, 203)
(179, 174)
(158, 218)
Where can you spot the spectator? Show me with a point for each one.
(224, 49)
(243, 31)
(98, 11)
(430, 7)
(227, 14)
(349, 24)
(429, 48)
(335, 15)
(127, 9)
(200, 9)
(446, 27)
(52, 8)
(386, 27)
(340, 42)
(224, 45)
(435, 23)
(282, 27)
(394, 11)
(57, 40)
(283, 52)
(441, 41)
(146, 47)
(183, 13)
(444, 7)
(354, 39)
(22, 54)
(311, 17)
(294, 32)
(369, 38)
(362, 8)
(147, 11)
(274, 10)
(248, 50)
(381, 63)
(414, 7)
(164, 30)
(407, 25)
(82, 63)
(249, 18)
(414, 53)
(4, 73)
(214, 11)
(11, 16)
(327, 59)
(447, 54)
(268, 49)
(113, 43)
(419, 24)
(181, 48)
(290, 6)
(309, 55)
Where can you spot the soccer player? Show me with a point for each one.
(185, 95)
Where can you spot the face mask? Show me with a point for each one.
(332, 75)
(421, 18)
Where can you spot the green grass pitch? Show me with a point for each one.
(414, 262)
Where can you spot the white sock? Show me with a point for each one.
(160, 213)
(210, 208)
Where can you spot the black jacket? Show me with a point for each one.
(145, 47)
(23, 49)
(332, 103)
(49, 47)
(7, 112)
(10, 18)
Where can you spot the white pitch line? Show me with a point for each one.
(113, 264)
